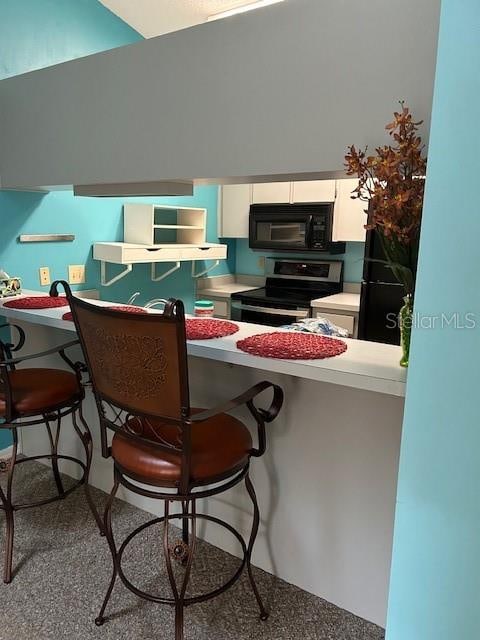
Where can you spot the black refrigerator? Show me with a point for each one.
(381, 297)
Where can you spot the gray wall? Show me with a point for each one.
(281, 90)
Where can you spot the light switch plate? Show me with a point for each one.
(44, 275)
(76, 273)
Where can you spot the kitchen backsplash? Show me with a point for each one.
(247, 261)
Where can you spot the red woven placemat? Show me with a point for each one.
(292, 346)
(37, 302)
(127, 309)
(206, 329)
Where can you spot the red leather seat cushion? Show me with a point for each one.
(37, 390)
(220, 446)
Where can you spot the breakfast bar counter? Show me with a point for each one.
(327, 484)
(364, 365)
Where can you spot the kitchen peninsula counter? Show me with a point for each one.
(364, 365)
(327, 484)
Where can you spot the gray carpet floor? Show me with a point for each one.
(63, 567)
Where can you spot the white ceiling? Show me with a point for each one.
(154, 17)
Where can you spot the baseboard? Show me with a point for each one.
(7, 452)
(5, 457)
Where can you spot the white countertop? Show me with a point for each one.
(339, 302)
(224, 290)
(365, 365)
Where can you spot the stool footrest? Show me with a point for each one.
(39, 503)
(191, 599)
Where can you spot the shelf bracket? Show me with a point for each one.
(202, 273)
(156, 278)
(103, 274)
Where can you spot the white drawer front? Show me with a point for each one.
(151, 254)
(345, 322)
(207, 253)
(108, 252)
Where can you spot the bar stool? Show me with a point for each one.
(39, 396)
(161, 447)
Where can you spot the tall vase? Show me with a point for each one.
(405, 317)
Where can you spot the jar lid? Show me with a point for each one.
(203, 303)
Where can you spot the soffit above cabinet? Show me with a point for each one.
(282, 91)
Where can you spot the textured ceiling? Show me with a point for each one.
(154, 17)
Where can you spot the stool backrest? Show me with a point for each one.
(137, 361)
(138, 368)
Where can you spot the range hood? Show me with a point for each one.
(114, 190)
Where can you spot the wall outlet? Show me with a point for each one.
(44, 275)
(261, 263)
(76, 273)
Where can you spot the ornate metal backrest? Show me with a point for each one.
(138, 368)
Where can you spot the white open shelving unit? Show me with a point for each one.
(159, 233)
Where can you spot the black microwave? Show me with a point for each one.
(293, 227)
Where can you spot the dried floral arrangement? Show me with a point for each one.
(392, 183)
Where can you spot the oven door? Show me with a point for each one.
(286, 232)
(268, 315)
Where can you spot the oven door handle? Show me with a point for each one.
(293, 313)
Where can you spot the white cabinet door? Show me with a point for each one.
(348, 217)
(235, 201)
(278, 192)
(221, 309)
(314, 191)
(344, 322)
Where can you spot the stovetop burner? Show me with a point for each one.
(279, 295)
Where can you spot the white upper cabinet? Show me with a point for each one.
(271, 192)
(313, 191)
(348, 217)
(234, 207)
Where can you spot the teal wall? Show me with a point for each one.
(247, 260)
(35, 34)
(92, 219)
(39, 33)
(435, 584)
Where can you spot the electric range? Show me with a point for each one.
(290, 287)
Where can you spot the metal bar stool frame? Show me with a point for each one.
(52, 417)
(186, 492)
